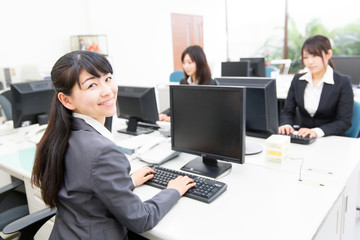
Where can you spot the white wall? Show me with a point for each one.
(251, 23)
(37, 32)
(140, 38)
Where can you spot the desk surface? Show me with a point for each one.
(264, 196)
(263, 200)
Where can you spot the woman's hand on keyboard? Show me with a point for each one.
(182, 184)
(163, 117)
(286, 129)
(142, 175)
(303, 132)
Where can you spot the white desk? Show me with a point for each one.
(266, 201)
(263, 201)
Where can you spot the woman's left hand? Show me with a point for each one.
(303, 132)
(142, 175)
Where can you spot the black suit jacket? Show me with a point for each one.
(335, 109)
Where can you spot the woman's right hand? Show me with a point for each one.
(182, 184)
(164, 117)
(286, 129)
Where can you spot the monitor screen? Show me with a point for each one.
(235, 69)
(208, 121)
(261, 104)
(257, 66)
(349, 65)
(31, 102)
(137, 104)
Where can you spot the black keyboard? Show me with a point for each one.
(206, 190)
(301, 140)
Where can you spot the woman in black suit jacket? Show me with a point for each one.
(323, 97)
(196, 72)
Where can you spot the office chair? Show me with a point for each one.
(29, 225)
(355, 127)
(5, 102)
(177, 76)
(13, 203)
(269, 70)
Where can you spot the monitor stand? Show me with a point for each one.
(133, 128)
(252, 148)
(207, 167)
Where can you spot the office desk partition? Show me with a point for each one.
(262, 201)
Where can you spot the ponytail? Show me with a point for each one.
(48, 170)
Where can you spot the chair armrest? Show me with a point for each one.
(11, 186)
(30, 224)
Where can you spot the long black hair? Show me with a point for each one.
(203, 73)
(48, 170)
(316, 45)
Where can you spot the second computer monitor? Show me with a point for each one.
(31, 102)
(257, 66)
(349, 65)
(235, 69)
(261, 104)
(138, 104)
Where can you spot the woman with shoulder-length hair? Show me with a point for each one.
(196, 68)
(196, 72)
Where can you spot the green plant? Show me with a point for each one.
(345, 41)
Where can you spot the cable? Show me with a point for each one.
(302, 162)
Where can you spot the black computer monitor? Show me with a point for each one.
(208, 121)
(137, 104)
(31, 102)
(349, 65)
(235, 69)
(257, 66)
(261, 104)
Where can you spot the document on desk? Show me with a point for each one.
(131, 145)
(158, 154)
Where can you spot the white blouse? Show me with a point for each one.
(312, 94)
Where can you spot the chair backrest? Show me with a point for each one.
(6, 104)
(355, 127)
(269, 69)
(177, 76)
